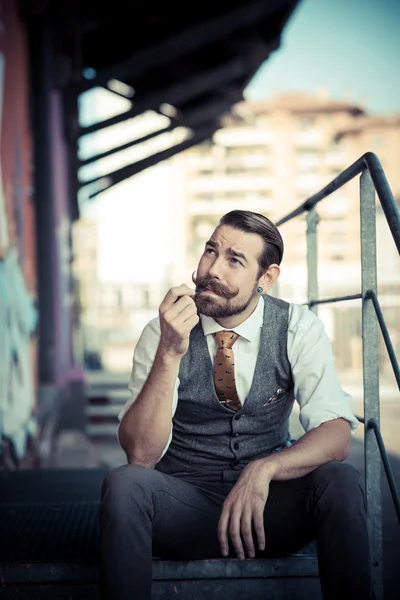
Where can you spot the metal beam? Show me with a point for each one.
(185, 90)
(121, 174)
(204, 113)
(188, 41)
(145, 138)
(119, 94)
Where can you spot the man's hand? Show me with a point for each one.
(243, 509)
(178, 316)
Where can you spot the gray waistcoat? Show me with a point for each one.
(206, 434)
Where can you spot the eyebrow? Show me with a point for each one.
(229, 251)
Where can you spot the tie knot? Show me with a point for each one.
(225, 339)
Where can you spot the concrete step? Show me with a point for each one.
(106, 394)
(291, 578)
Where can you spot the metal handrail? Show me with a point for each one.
(334, 299)
(372, 179)
(373, 164)
(386, 336)
(392, 214)
(370, 294)
(372, 424)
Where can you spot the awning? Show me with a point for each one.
(192, 60)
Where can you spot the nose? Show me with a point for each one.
(215, 268)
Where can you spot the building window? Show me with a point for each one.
(335, 144)
(204, 148)
(307, 153)
(246, 170)
(243, 151)
(337, 237)
(234, 195)
(205, 197)
(305, 123)
(236, 170)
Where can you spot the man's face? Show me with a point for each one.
(227, 275)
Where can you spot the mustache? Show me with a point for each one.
(214, 285)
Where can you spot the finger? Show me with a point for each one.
(247, 534)
(223, 532)
(234, 533)
(171, 313)
(173, 295)
(258, 522)
(191, 322)
(179, 314)
(183, 316)
(187, 291)
(183, 302)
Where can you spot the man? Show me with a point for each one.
(211, 399)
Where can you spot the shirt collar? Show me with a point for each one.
(247, 330)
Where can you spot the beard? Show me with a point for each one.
(224, 305)
(212, 307)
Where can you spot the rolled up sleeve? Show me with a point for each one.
(316, 385)
(143, 358)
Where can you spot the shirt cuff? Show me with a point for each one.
(312, 421)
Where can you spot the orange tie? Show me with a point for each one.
(224, 370)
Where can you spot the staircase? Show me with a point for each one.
(106, 394)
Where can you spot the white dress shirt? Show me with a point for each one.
(316, 386)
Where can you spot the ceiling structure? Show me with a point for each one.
(191, 63)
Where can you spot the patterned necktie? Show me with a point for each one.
(224, 370)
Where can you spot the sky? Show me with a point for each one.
(350, 47)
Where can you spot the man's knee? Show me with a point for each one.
(338, 483)
(337, 475)
(126, 486)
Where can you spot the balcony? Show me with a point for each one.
(242, 183)
(222, 206)
(243, 136)
(310, 138)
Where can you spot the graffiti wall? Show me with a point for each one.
(18, 319)
(18, 313)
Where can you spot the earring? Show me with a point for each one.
(259, 290)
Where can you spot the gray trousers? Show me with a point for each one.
(146, 513)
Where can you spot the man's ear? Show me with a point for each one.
(269, 278)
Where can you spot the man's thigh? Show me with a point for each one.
(185, 520)
(294, 506)
(287, 522)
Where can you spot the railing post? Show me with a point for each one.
(371, 377)
(312, 258)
